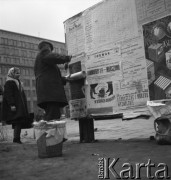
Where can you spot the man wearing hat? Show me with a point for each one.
(49, 82)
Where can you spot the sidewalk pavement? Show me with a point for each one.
(112, 129)
(115, 129)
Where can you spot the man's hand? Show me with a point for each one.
(68, 78)
(13, 108)
(66, 66)
(68, 59)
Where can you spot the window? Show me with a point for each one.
(18, 43)
(35, 46)
(17, 60)
(15, 43)
(3, 40)
(10, 42)
(28, 105)
(22, 44)
(34, 93)
(2, 50)
(35, 104)
(5, 59)
(56, 50)
(27, 82)
(16, 52)
(11, 51)
(8, 60)
(33, 83)
(31, 72)
(7, 51)
(27, 93)
(1, 81)
(27, 72)
(31, 46)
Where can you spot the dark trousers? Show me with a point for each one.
(17, 131)
(52, 111)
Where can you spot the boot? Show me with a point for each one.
(17, 132)
(17, 141)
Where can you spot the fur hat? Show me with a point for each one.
(41, 44)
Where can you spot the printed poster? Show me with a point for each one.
(157, 45)
(75, 36)
(132, 93)
(78, 108)
(101, 94)
(120, 37)
(104, 63)
(149, 10)
(109, 22)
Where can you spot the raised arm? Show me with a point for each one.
(54, 58)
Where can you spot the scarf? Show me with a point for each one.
(11, 75)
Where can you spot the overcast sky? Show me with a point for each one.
(42, 18)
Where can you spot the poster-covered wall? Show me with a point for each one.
(123, 45)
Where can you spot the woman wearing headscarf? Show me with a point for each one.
(14, 103)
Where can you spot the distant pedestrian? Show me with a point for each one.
(1, 90)
(49, 82)
(1, 93)
(14, 104)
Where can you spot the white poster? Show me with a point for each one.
(132, 93)
(101, 94)
(74, 29)
(104, 63)
(78, 108)
(108, 23)
(152, 9)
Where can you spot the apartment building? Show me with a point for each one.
(20, 50)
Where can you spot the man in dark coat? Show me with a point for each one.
(49, 82)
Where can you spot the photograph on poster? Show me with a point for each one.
(101, 94)
(157, 44)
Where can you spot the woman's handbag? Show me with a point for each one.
(29, 122)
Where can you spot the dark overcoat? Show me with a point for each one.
(49, 82)
(12, 96)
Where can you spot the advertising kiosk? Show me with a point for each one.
(124, 47)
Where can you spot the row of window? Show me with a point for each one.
(30, 93)
(24, 71)
(32, 105)
(16, 61)
(16, 43)
(17, 52)
(27, 83)
(27, 45)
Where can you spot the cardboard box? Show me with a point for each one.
(156, 52)
(168, 92)
(163, 82)
(168, 59)
(150, 71)
(160, 108)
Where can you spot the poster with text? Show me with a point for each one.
(157, 45)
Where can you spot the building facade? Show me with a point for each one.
(20, 50)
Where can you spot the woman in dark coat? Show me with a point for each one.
(14, 103)
(49, 82)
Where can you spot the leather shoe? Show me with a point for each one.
(17, 141)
